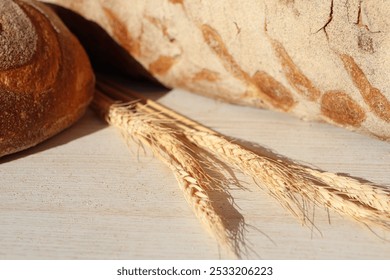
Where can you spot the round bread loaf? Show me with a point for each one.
(46, 81)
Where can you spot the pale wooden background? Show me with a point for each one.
(84, 195)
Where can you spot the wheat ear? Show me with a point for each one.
(364, 202)
(284, 181)
(373, 196)
(170, 147)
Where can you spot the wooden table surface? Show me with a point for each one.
(85, 195)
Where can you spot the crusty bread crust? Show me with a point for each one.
(46, 81)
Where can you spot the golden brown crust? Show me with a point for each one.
(280, 97)
(378, 103)
(342, 109)
(294, 75)
(49, 91)
(161, 65)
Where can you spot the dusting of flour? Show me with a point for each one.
(18, 39)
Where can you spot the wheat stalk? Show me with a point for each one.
(287, 182)
(170, 146)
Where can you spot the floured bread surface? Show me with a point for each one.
(46, 81)
(319, 60)
(18, 39)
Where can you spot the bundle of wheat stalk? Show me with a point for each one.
(176, 140)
